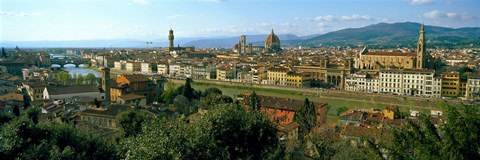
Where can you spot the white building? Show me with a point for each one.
(162, 68)
(174, 70)
(145, 67)
(413, 82)
(473, 88)
(361, 82)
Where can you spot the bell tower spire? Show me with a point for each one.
(421, 49)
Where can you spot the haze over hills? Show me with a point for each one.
(397, 34)
(403, 34)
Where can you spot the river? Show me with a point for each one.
(79, 70)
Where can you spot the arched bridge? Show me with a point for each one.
(74, 61)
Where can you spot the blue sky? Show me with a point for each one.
(30, 20)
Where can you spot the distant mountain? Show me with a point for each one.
(396, 35)
(229, 42)
(377, 35)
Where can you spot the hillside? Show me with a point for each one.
(397, 34)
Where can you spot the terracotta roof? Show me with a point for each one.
(272, 39)
(131, 96)
(390, 54)
(110, 111)
(136, 78)
(284, 103)
(354, 116)
(278, 69)
(58, 90)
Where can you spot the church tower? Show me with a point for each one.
(421, 50)
(106, 83)
(170, 38)
(243, 44)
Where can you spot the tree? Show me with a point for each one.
(306, 118)
(187, 91)
(96, 103)
(23, 138)
(79, 79)
(225, 132)
(4, 54)
(131, 122)
(254, 101)
(209, 91)
(90, 79)
(16, 111)
(456, 139)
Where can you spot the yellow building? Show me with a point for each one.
(391, 112)
(451, 84)
(277, 76)
(300, 80)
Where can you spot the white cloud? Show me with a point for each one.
(142, 2)
(20, 14)
(436, 14)
(353, 17)
(174, 16)
(420, 2)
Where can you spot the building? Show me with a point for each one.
(34, 90)
(203, 70)
(277, 76)
(412, 82)
(473, 88)
(451, 85)
(323, 73)
(145, 67)
(299, 79)
(272, 44)
(171, 46)
(102, 117)
(395, 60)
(65, 92)
(162, 69)
(362, 82)
(133, 66)
(132, 100)
(106, 83)
(135, 84)
(226, 73)
(283, 111)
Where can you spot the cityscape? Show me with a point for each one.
(231, 79)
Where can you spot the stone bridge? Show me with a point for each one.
(74, 61)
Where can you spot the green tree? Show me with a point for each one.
(187, 91)
(209, 91)
(130, 122)
(23, 138)
(79, 79)
(225, 132)
(306, 118)
(254, 101)
(96, 102)
(458, 138)
(90, 79)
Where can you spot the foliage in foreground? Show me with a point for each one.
(24, 138)
(225, 132)
(458, 138)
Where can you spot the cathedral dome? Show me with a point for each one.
(272, 44)
(272, 39)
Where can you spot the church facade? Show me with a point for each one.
(395, 60)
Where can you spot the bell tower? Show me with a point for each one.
(421, 49)
(170, 38)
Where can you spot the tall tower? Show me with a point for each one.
(421, 49)
(243, 44)
(170, 38)
(106, 83)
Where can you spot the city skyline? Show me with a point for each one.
(150, 19)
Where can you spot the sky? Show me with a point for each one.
(38, 20)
